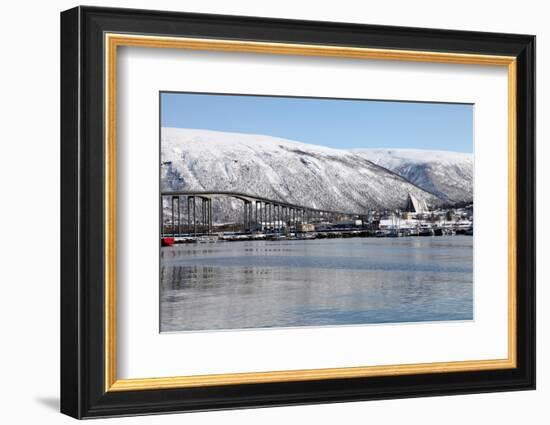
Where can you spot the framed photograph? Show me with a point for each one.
(261, 212)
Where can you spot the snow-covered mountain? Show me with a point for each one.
(280, 169)
(449, 175)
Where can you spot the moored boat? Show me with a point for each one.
(169, 241)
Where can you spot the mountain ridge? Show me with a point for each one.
(449, 175)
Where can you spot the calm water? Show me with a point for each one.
(257, 284)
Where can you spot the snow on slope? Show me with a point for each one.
(449, 175)
(280, 169)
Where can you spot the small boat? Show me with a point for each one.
(207, 239)
(303, 235)
(167, 241)
(425, 232)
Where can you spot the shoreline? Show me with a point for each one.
(168, 240)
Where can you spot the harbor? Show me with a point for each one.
(186, 221)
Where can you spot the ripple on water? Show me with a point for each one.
(261, 284)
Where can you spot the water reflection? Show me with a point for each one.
(258, 284)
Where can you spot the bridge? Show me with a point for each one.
(259, 213)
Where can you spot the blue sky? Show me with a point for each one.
(336, 123)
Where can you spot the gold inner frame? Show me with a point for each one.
(113, 41)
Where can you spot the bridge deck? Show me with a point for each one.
(252, 198)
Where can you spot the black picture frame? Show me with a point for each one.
(83, 392)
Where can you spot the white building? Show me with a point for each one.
(416, 205)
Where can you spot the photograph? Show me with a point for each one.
(268, 209)
(286, 212)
